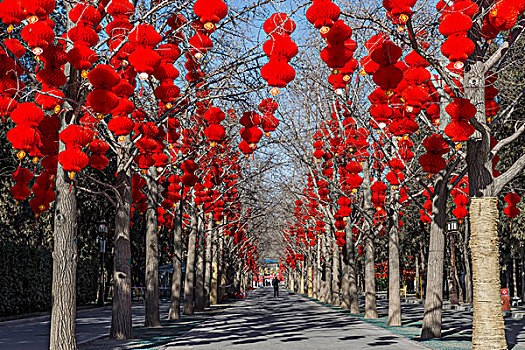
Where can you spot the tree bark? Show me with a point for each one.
(174, 313)
(394, 299)
(522, 271)
(310, 272)
(514, 278)
(63, 311)
(326, 283)
(121, 326)
(301, 283)
(199, 267)
(222, 269)
(488, 328)
(422, 286)
(209, 259)
(336, 283)
(152, 318)
(189, 282)
(434, 292)
(454, 295)
(370, 275)
(349, 284)
(318, 270)
(215, 269)
(466, 262)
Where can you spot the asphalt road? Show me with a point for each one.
(287, 322)
(91, 324)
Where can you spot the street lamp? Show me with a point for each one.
(101, 239)
(452, 226)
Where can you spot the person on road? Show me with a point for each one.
(275, 284)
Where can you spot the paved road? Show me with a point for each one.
(288, 322)
(90, 325)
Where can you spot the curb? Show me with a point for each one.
(90, 340)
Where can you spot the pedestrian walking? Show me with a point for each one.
(275, 284)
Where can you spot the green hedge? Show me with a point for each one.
(25, 279)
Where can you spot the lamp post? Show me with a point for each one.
(452, 229)
(101, 239)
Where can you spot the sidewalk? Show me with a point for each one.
(456, 326)
(33, 333)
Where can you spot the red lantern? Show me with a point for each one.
(85, 13)
(27, 113)
(432, 162)
(279, 23)
(322, 14)
(38, 36)
(75, 136)
(277, 72)
(103, 77)
(144, 36)
(210, 12)
(73, 161)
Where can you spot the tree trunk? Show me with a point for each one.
(326, 282)
(514, 278)
(394, 299)
(63, 312)
(349, 285)
(454, 295)
(523, 271)
(222, 269)
(466, 262)
(417, 279)
(434, 292)
(209, 259)
(488, 329)
(310, 272)
(422, 283)
(189, 282)
(370, 275)
(301, 283)
(318, 270)
(237, 279)
(121, 326)
(336, 283)
(215, 269)
(152, 318)
(174, 313)
(199, 268)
